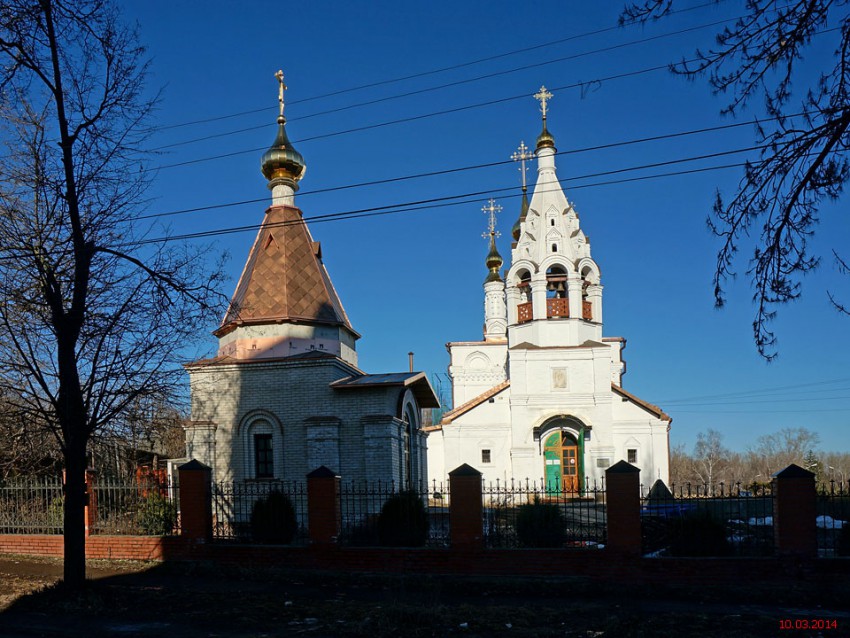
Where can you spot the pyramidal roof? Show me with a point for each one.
(284, 279)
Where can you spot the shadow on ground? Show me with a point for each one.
(207, 600)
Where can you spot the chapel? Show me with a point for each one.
(284, 395)
(541, 395)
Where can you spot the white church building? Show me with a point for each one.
(284, 394)
(541, 396)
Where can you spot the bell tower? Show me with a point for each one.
(553, 288)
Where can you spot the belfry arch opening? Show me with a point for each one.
(557, 304)
(524, 308)
(588, 278)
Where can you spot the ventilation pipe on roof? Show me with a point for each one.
(410, 360)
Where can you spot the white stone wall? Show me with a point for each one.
(475, 367)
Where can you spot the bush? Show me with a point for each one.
(157, 515)
(273, 519)
(56, 513)
(403, 521)
(698, 534)
(540, 524)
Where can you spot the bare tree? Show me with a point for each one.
(710, 457)
(90, 319)
(805, 144)
(775, 452)
(23, 448)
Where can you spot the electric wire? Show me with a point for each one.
(440, 202)
(421, 74)
(461, 82)
(458, 169)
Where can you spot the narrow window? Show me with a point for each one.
(554, 248)
(632, 455)
(552, 221)
(263, 457)
(485, 456)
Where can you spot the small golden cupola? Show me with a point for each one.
(545, 139)
(282, 165)
(521, 155)
(494, 259)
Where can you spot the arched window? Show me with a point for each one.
(262, 445)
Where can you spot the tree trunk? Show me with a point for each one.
(75, 502)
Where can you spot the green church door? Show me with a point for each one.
(563, 465)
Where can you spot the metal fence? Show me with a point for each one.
(707, 520)
(540, 514)
(378, 513)
(833, 519)
(134, 508)
(273, 512)
(31, 506)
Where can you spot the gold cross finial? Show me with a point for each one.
(491, 209)
(543, 96)
(521, 155)
(281, 89)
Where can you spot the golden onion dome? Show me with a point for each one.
(545, 139)
(523, 213)
(282, 160)
(493, 262)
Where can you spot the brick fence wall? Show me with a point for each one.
(620, 561)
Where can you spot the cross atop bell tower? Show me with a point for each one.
(543, 96)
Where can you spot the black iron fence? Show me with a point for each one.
(707, 520)
(120, 507)
(540, 514)
(115, 507)
(31, 506)
(379, 513)
(273, 512)
(833, 519)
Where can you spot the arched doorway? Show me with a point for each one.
(563, 462)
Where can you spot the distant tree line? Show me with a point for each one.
(711, 462)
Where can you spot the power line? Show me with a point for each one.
(757, 392)
(460, 82)
(404, 120)
(448, 171)
(425, 73)
(439, 202)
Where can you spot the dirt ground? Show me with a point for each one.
(204, 600)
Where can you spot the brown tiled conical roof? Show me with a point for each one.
(284, 278)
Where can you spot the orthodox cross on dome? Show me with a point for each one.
(281, 89)
(521, 155)
(543, 96)
(491, 209)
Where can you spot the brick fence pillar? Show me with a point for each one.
(465, 508)
(622, 497)
(323, 506)
(91, 502)
(195, 501)
(795, 511)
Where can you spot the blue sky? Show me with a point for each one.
(413, 280)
